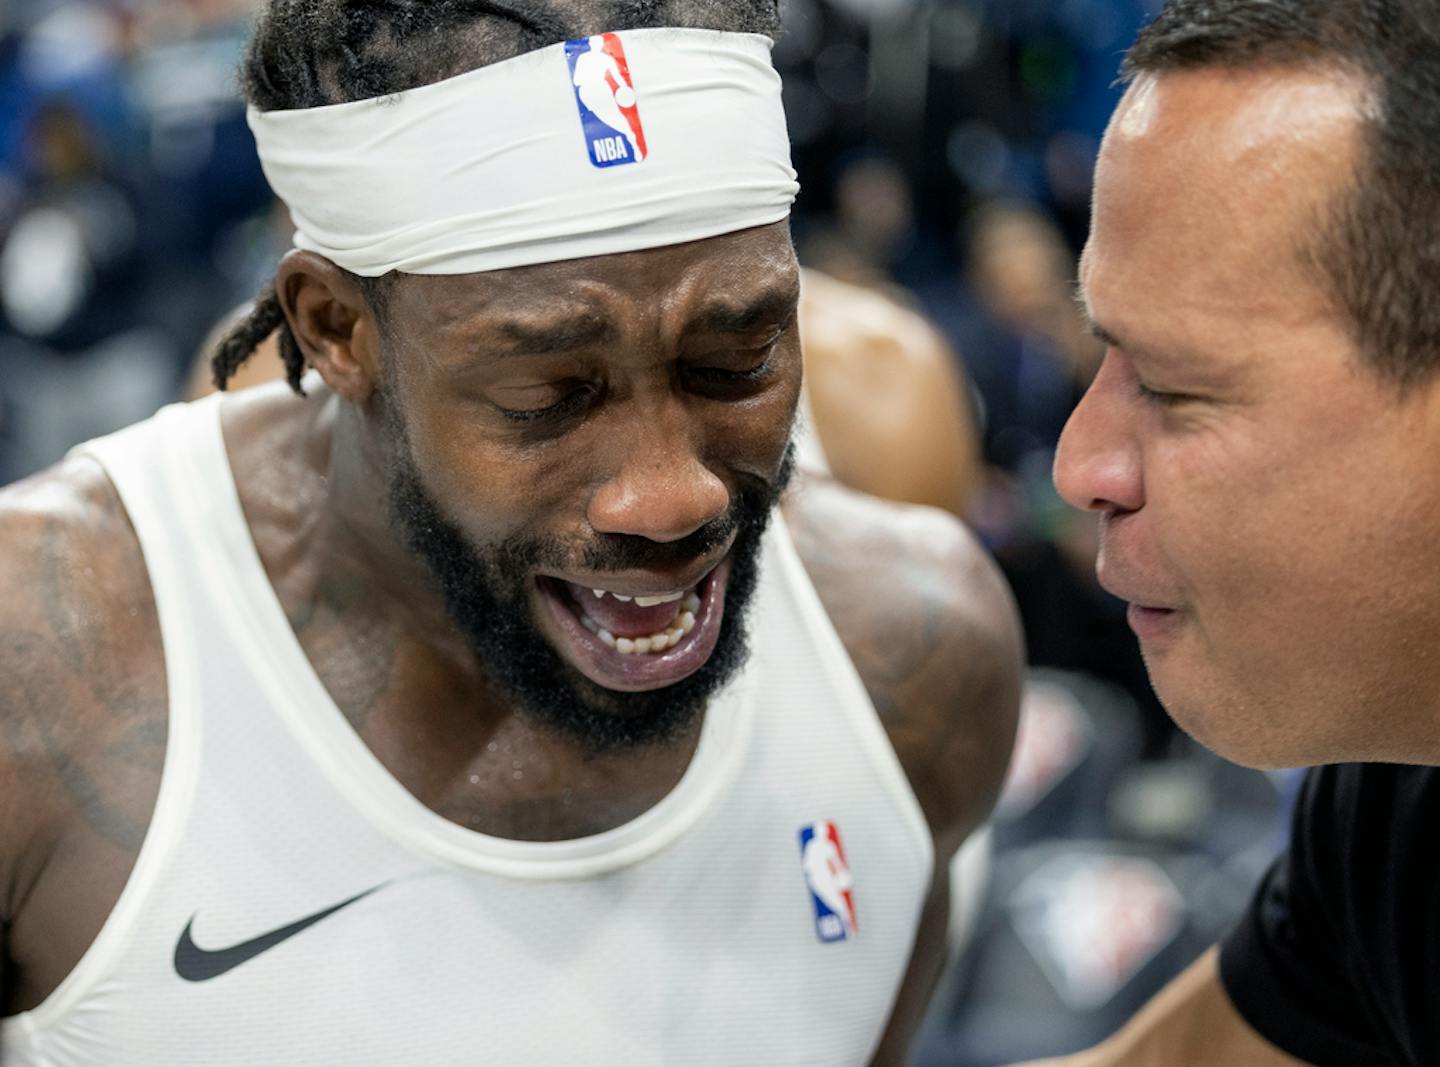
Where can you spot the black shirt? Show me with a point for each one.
(1338, 959)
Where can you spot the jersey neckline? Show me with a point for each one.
(299, 697)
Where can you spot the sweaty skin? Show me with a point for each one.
(84, 721)
(888, 397)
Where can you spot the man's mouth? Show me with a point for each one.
(637, 640)
(1152, 624)
(638, 626)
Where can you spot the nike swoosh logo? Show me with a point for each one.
(195, 964)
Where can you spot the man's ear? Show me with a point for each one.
(332, 322)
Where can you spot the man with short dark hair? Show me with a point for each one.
(481, 706)
(1260, 446)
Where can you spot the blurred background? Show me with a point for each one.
(946, 149)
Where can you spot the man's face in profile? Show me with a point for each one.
(585, 456)
(1267, 503)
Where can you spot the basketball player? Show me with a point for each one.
(480, 707)
(1260, 446)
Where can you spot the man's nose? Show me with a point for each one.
(1097, 465)
(660, 488)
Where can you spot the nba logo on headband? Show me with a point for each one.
(541, 201)
(605, 95)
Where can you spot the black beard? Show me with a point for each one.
(486, 588)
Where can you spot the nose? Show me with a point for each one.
(1097, 464)
(660, 488)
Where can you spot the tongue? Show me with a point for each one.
(624, 620)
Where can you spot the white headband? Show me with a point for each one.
(617, 143)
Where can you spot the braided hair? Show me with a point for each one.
(312, 53)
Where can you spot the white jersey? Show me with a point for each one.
(293, 904)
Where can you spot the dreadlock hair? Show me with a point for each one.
(1375, 248)
(311, 53)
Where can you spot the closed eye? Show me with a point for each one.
(573, 403)
(1158, 398)
(739, 370)
(722, 375)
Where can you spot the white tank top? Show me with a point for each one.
(323, 915)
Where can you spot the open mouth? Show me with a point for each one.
(635, 642)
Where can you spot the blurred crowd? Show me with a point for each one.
(130, 199)
(946, 149)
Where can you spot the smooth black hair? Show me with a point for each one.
(310, 53)
(1377, 248)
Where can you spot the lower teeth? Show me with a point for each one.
(668, 638)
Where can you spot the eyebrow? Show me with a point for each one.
(587, 328)
(561, 335)
(772, 306)
(1216, 372)
(1093, 328)
(1100, 333)
(1106, 336)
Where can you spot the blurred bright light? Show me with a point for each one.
(44, 272)
(67, 44)
(955, 35)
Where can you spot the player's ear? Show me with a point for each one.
(332, 322)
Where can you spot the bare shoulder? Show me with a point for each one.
(862, 343)
(932, 629)
(850, 321)
(82, 708)
(888, 397)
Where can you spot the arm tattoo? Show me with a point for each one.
(939, 654)
(86, 693)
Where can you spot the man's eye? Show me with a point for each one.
(744, 368)
(724, 375)
(1159, 399)
(572, 404)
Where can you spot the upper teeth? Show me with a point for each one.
(641, 601)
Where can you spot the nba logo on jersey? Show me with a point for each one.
(822, 858)
(605, 95)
